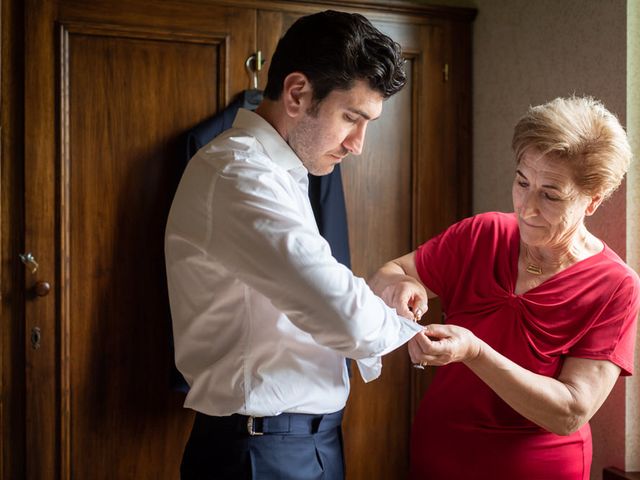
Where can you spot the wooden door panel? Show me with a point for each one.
(122, 170)
(181, 19)
(126, 84)
(41, 364)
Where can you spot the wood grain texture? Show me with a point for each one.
(42, 415)
(122, 171)
(12, 354)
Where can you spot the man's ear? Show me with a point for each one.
(297, 94)
(593, 206)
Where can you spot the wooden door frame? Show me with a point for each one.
(42, 381)
(12, 354)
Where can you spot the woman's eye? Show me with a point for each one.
(550, 197)
(523, 184)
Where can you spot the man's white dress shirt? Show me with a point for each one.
(263, 315)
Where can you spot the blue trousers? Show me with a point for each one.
(286, 447)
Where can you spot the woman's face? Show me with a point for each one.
(549, 206)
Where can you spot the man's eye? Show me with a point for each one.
(351, 119)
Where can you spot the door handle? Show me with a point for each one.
(29, 261)
(41, 288)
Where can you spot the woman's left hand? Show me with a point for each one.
(443, 344)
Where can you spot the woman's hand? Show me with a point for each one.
(407, 296)
(398, 284)
(443, 344)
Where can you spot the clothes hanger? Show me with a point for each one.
(252, 97)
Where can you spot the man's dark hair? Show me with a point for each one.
(334, 49)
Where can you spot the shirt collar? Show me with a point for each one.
(275, 146)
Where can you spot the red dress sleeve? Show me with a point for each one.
(467, 254)
(612, 335)
(441, 258)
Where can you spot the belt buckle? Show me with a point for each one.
(250, 427)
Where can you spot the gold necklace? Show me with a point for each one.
(534, 269)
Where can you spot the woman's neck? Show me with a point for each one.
(544, 260)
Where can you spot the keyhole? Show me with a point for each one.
(35, 338)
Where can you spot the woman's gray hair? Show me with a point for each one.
(581, 133)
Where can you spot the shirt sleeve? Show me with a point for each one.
(613, 334)
(268, 243)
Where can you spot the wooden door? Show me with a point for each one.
(111, 86)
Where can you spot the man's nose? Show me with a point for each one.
(355, 140)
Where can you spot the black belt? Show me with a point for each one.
(283, 424)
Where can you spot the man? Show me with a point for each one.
(263, 315)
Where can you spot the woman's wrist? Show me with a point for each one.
(476, 352)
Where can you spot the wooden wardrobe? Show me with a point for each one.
(96, 97)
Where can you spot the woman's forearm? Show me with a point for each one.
(400, 290)
(561, 407)
(389, 274)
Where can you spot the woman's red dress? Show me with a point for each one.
(463, 430)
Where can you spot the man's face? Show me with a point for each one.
(324, 135)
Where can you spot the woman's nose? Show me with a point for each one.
(529, 206)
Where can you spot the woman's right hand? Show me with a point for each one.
(407, 296)
(398, 284)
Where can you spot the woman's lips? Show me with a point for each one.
(529, 225)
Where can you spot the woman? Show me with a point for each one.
(540, 314)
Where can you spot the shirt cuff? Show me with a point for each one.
(370, 368)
